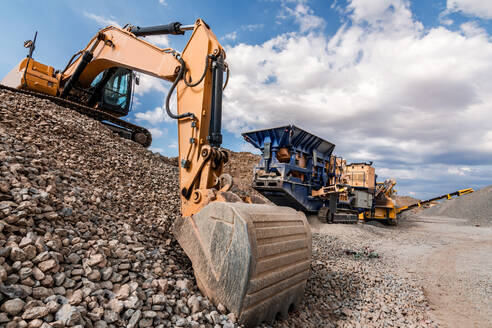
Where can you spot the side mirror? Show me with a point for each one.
(31, 44)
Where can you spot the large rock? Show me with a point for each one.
(47, 265)
(132, 323)
(68, 315)
(95, 259)
(35, 313)
(17, 254)
(13, 291)
(13, 307)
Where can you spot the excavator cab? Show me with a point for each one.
(112, 90)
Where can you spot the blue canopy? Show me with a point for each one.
(290, 136)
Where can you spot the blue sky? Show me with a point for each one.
(405, 84)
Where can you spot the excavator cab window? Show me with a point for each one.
(117, 92)
(113, 90)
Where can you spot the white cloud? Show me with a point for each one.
(446, 21)
(149, 83)
(157, 115)
(163, 2)
(102, 20)
(158, 132)
(471, 29)
(478, 8)
(173, 145)
(252, 27)
(230, 36)
(382, 88)
(247, 147)
(159, 40)
(156, 150)
(459, 170)
(302, 15)
(233, 36)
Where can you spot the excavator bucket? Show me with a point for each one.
(252, 258)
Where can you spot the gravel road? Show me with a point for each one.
(445, 258)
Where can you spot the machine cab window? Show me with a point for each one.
(115, 89)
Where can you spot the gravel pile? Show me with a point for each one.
(405, 200)
(84, 221)
(240, 167)
(476, 207)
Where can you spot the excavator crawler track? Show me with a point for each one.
(136, 133)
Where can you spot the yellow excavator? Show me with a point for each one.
(252, 258)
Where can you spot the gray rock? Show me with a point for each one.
(215, 317)
(106, 273)
(132, 323)
(41, 292)
(149, 314)
(73, 258)
(68, 315)
(13, 291)
(111, 316)
(41, 257)
(182, 322)
(5, 251)
(59, 278)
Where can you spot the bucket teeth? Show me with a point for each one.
(252, 258)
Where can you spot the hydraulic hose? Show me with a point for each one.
(171, 90)
(191, 85)
(182, 75)
(227, 76)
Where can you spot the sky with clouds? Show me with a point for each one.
(405, 84)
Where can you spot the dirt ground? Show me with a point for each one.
(449, 259)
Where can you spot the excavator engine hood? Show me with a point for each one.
(252, 258)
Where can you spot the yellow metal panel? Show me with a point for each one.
(39, 77)
(196, 100)
(121, 48)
